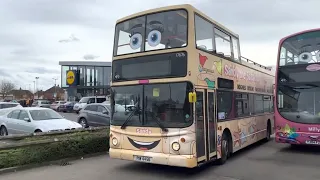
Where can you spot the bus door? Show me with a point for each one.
(206, 125)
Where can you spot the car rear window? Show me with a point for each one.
(101, 100)
(8, 105)
(91, 108)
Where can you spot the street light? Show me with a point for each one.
(34, 88)
(37, 86)
(55, 90)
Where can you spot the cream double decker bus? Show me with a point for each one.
(182, 95)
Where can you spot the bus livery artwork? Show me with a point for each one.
(298, 89)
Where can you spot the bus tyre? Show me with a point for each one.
(224, 149)
(268, 132)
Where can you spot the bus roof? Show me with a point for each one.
(297, 33)
(182, 6)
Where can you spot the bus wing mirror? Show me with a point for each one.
(192, 97)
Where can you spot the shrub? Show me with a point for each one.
(49, 148)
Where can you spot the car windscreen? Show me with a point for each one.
(45, 102)
(44, 114)
(84, 100)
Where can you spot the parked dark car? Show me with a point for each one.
(67, 107)
(96, 114)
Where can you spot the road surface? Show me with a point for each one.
(268, 161)
(70, 116)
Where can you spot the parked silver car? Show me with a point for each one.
(41, 103)
(96, 114)
(33, 119)
(56, 105)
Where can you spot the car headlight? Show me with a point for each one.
(176, 146)
(114, 141)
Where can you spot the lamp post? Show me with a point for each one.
(37, 86)
(55, 89)
(34, 88)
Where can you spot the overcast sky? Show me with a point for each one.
(36, 34)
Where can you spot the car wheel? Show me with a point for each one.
(3, 131)
(83, 122)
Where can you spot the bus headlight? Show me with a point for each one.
(176, 146)
(114, 141)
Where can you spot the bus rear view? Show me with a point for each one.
(297, 115)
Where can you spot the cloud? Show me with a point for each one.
(72, 38)
(36, 34)
(90, 57)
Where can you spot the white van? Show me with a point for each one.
(88, 100)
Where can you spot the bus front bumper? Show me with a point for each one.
(188, 161)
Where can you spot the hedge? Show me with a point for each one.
(43, 148)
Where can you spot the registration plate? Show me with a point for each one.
(142, 158)
(313, 142)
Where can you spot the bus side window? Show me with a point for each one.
(236, 50)
(199, 106)
(224, 103)
(223, 43)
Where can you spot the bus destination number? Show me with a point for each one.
(179, 55)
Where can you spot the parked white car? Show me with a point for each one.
(56, 105)
(88, 100)
(33, 119)
(4, 105)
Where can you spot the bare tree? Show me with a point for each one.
(5, 88)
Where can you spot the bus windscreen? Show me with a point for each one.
(298, 78)
(154, 31)
(300, 49)
(147, 104)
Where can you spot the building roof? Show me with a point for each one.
(85, 63)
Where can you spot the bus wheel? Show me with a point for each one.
(224, 149)
(268, 132)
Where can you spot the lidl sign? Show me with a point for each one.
(72, 77)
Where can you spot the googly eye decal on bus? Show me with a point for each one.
(136, 41)
(155, 35)
(154, 38)
(318, 56)
(305, 57)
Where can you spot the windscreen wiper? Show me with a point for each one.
(157, 121)
(123, 126)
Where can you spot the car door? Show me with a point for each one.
(91, 111)
(103, 116)
(12, 122)
(24, 123)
